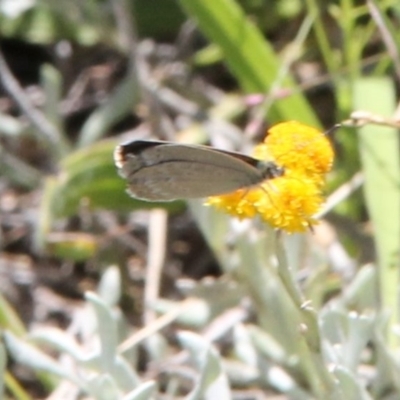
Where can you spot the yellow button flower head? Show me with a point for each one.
(299, 147)
(290, 201)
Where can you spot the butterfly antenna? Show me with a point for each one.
(332, 130)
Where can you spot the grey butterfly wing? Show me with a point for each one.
(166, 171)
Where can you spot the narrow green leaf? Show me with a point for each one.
(249, 56)
(52, 83)
(9, 319)
(118, 106)
(3, 363)
(379, 148)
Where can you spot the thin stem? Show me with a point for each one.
(37, 118)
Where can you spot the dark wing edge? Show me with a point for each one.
(134, 148)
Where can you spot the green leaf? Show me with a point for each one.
(379, 149)
(143, 392)
(118, 106)
(212, 383)
(28, 355)
(248, 55)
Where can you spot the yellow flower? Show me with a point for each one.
(299, 147)
(290, 201)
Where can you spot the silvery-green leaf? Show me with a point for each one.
(144, 392)
(212, 382)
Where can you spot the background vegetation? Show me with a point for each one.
(107, 297)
